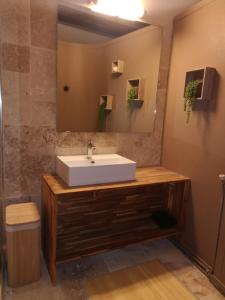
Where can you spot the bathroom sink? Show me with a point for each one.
(78, 170)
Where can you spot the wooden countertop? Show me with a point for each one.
(144, 176)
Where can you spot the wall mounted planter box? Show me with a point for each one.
(108, 99)
(118, 67)
(137, 85)
(207, 77)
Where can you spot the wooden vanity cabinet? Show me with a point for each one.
(87, 220)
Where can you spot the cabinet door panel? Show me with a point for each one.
(107, 218)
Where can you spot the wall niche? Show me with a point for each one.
(206, 78)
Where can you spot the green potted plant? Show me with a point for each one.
(132, 94)
(101, 115)
(190, 96)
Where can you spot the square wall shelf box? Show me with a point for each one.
(118, 67)
(206, 77)
(135, 89)
(108, 100)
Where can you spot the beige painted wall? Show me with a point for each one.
(82, 68)
(197, 149)
(71, 34)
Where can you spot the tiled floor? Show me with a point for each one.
(71, 276)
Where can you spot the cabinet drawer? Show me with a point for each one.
(67, 204)
(90, 204)
(106, 209)
(124, 192)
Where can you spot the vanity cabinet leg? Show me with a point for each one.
(52, 274)
(49, 216)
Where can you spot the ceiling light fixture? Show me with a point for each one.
(125, 9)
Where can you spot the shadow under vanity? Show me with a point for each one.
(86, 220)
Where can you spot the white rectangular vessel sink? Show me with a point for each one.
(78, 170)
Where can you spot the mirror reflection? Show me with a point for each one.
(107, 72)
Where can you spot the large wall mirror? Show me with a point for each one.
(107, 72)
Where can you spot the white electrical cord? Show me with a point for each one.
(222, 179)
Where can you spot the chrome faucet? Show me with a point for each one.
(90, 149)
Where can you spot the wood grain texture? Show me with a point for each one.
(22, 213)
(144, 176)
(23, 256)
(88, 220)
(149, 281)
(107, 220)
(23, 243)
(49, 208)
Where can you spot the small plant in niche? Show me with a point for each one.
(190, 97)
(132, 94)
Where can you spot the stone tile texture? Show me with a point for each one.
(15, 58)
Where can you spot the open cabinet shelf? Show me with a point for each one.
(115, 238)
